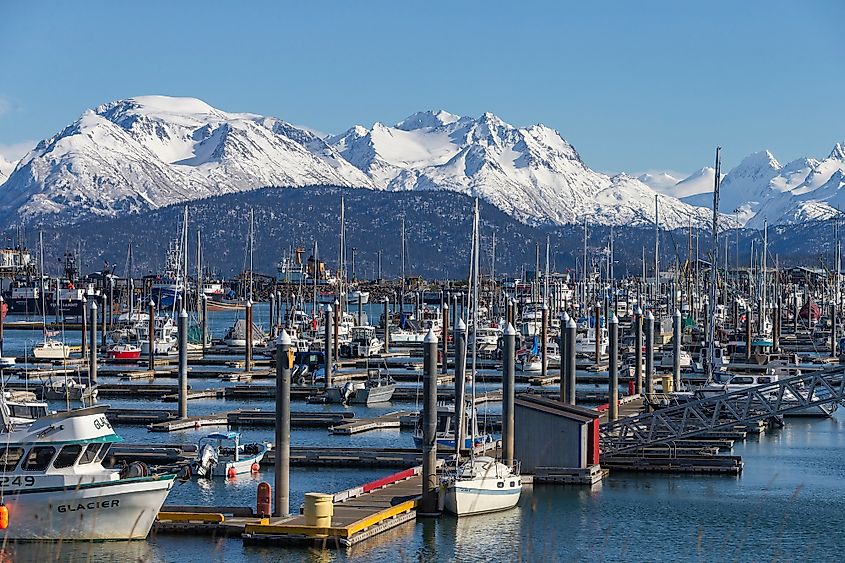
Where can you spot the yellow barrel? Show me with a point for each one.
(318, 510)
(667, 383)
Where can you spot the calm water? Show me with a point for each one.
(788, 504)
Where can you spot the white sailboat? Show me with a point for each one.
(480, 484)
(49, 348)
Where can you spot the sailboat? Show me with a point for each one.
(481, 484)
(49, 349)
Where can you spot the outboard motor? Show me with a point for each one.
(347, 391)
(207, 461)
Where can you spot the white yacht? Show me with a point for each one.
(56, 488)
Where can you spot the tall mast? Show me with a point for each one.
(251, 244)
(184, 259)
(656, 251)
(584, 266)
(198, 303)
(711, 329)
(402, 251)
(764, 280)
(546, 275)
(473, 340)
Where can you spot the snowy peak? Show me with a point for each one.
(427, 120)
(838, 152)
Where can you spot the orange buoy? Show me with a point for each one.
(4, 517)
(255, 468)
(231, 473)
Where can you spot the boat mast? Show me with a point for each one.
(43, 292)
(584, 267)
(474, 304)
(711, 329)
(251, 245)
(184, 260)
(656, 253)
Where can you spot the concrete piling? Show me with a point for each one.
(248, 347)
(638, 349)
(204, 328)
(281, 505)
(544, 341)
(445, 347)
(151, 336)
(386, 323)
(183, 363)
(748, 334)
(92, 357)
(428, 502)
(648, 334)
(564, 355)
(508, 385)
(328, 345)
(571, 329)
(613, 369)
(460, 338)
(676, 350)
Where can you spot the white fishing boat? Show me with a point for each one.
(585, 342)
(221, 454)
(56, 488)
(377, 389)
(364, 342)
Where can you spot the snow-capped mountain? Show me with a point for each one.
(147, 152)
(662, 182)
(531, 173)
(761, 190)
(152, 151)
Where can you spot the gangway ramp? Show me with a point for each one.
(806, 391)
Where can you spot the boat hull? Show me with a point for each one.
(465, 498)
(118, 510)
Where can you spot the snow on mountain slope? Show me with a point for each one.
(152, 151)
(661, 182)
(531, 173)
(6, 168)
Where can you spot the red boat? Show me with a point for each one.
(124, 352)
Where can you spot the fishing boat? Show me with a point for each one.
(124, 351)
(377, 389)
(70, 389)
(56, 488)
(364, 342)
(221, 454)
(585, 342)
(236, 335)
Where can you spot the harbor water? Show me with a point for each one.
(788, 503)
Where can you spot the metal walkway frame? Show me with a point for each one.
(760, 402)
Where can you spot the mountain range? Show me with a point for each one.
(140, 154)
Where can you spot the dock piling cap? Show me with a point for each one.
(461, 325)
(677, 313)
(570, 324)
(430, 337)
(510, 330)
(93, 304)
(564, 317)
(328, 308)
(183, 313)
(649, 316)
(613, 319)
(284, 339)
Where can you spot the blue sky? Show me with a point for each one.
(633, 85)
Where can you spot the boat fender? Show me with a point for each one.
(255, 468)
(231, 473)
(4, 517)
